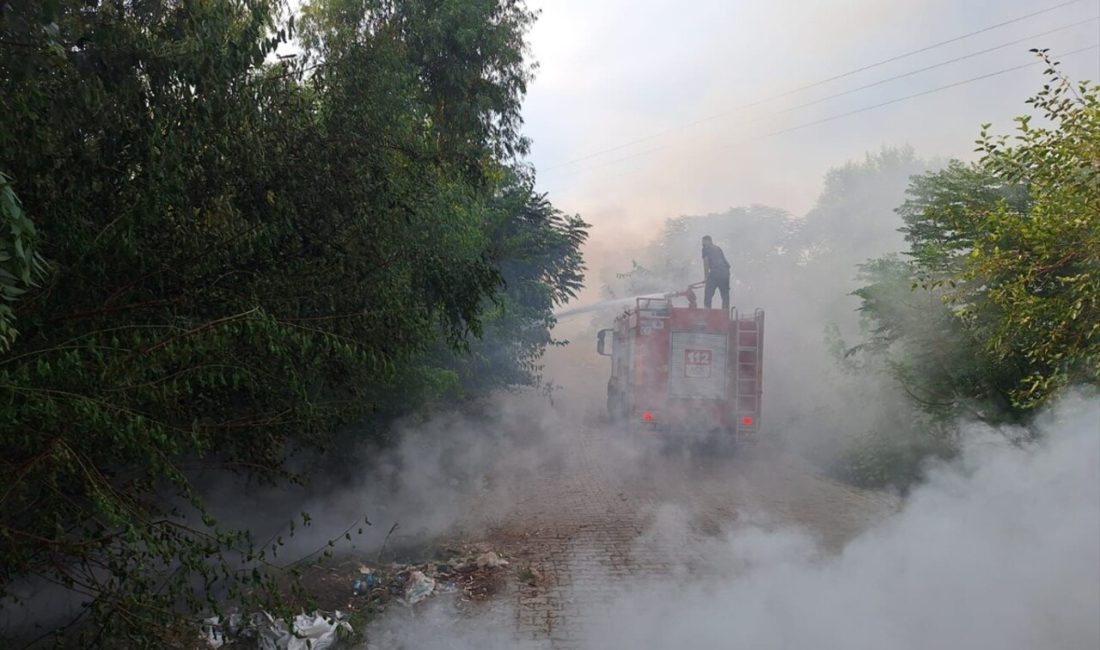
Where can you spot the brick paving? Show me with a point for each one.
(585, 514)
(605, 518)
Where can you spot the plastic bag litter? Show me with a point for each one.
(317, 632)
(490, 560)
(216, 633)
(311, 631)
(271, 632)
(418, 587)
(212, 632)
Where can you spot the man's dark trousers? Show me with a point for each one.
(722, 284)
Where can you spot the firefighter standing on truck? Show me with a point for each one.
(717, 271)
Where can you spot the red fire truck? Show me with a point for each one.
(685, 369)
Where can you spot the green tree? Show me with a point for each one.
(1007, 247)
(20, 264)
(1031, 283)
(542, 269)
(995, 309)
(246, 253)
(912, 324)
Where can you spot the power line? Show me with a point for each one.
(913, 96)
(865, 109)
(859, 88)
(811, 85)
(940, 65)
(941, 43)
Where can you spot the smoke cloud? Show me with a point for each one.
(1000, 548)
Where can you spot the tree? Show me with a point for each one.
(1032, 279)
(20, 264)
(245, 255)
(995, 310)
(542, 269)
(1007, 246)
(912, 325)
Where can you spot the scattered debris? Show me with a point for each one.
(271, 632)
(310, 632)
(491, 560)
(316, 632)
(469, 574)
(366, 581)
(212, 632)
(418, 587)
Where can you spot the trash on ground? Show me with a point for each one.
(491, 560)
(418, 587)
(466, 574)
(364, 583)
(316, 632)
(217, 633)
(469, 577)
(310, 632)
(212, 632)
(271, 632)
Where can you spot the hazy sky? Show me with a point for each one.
(614, 71)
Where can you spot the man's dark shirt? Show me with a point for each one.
(718, 264)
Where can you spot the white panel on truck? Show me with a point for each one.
(697, 365)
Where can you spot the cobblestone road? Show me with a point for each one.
(604, 515)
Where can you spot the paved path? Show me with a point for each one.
(603, 515)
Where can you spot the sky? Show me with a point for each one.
(674, 80)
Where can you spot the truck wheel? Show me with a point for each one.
(614, 401)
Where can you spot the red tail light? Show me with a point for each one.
(746, 421)
(647, 416)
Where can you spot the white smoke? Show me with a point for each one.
(1000, 549)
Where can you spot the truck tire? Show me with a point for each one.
(614, 400)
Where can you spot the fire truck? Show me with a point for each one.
(677, 368)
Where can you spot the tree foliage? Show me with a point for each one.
(542, 269)
(1003, 267)
(20, 263)
(1038, 302)
(246, 251)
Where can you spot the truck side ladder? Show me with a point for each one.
(749, 348)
